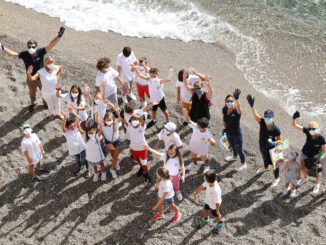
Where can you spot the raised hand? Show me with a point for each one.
(61, 31)
(296, 115)
(207, 80)
(87, 89)
(185, 73)
(236, 94)
(251, 100)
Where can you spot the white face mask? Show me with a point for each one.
(230, 104)
(97, 102)
(91, 136)
(50, 66)
(313, 132)
(107, 69)
(32, 50)
(74, 95)
(134, 123)
(27, 131)
(109, 123)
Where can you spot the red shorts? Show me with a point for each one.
(139, 155)
(142, 90)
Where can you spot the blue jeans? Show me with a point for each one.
(236, 142)
(80, 158)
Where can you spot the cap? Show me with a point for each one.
(25, 126)
(268, 113)
(170, 126)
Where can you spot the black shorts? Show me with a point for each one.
(213, 211)
(162, 105)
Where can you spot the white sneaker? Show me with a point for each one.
(275, 182)
(241, 167)
(117, 166)
(179, 195)
(132, 96)
(293, 193)
(316, 189)
(124, 99)
(95, 178)
(191, 166)
(302, 181)
(144, 104)
(286, 190)
(231, 158)
(206, 168)
(262, 170)
(114, 174)
(88, 174)
(146, 115)
(103, 176)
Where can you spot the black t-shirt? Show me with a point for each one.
(232, 121)
(312, 146)
(264, 134)
(36, 61)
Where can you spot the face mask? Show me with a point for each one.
(107, 69)
(50, 66)
(268, 120)
(230, 104)
(31, 50)
(199, 92)
(91, 136)
(97, 102)
(74, 95)
(108, 123)
(197, 128)
(27, 131)
(312, 132)
(72, 129)
(135, 123)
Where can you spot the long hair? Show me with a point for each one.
(177, 154)
(87, 130)
(80, 94)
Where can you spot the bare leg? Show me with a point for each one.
(175, 209)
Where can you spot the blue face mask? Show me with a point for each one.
(199, 92)
(268, 120)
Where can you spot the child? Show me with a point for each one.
(75, 99)
(76, 144)
(94, 153)
(169, 136)
(200, 140)
(213, 200)
(112, 138)
(33, 151)
(156, 93)
(124, 62)
(173, 162)
(292, 174)
(165, 194)
(136, 130)
(142, 84)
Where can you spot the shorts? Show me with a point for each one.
(95, 163)
(168, 201)
(116, 143)
(113, 98)
(186, 105)
(139, 155)
(291, 180)
(213, 211)
(162, 105)
(127, 84)
(303, 156)
(142, 91)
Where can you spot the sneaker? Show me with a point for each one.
(88, 174)
(179, 195)
(42, 170)
(148, 178)
(191, 166)
(144, 104)
(285, 191)
(202, 223)
(185, 123)
(114, 174)
(302, 181)
(117, 166)
(275, 182)
(262, 170)
(231, 158)
(146, 115)
(316, 189)
(38, 179)
(293, 193)
(219, 227)
(158, 216)
(151, 124)
(206, 168)
(77, 172)
(176, 218)
(241, 167)
(124, 99)
(95, 178)
(140, 172)
(132, 96)
(103, 176)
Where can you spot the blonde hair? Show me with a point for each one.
(163, 173)
(199, 84)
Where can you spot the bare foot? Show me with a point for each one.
(60, 117)
(51, 117)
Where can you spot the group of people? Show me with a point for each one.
(94, 135)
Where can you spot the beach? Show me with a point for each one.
(69, 210)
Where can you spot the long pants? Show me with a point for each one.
(53, 103)
(268, 161)
(176, 182)
(81, 158)
(236, 143)
(32, 86)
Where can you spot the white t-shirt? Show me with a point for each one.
(126, 74)
(108, 77)
(142, 71)
(199, 141)
(107, 131)
(174, 138)
(213, 195)
(101, 108)
(82, 113)
(94, 151)
(48, 80)
(128, 116)
(173, 164)
(137, 137)
(155, 89)
(184, 93)
(32, 146)
(75, 140)
(165, 186)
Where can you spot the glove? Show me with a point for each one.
(61, 31)
(2, 47)
(236, 93)
(296, 115)
(313, 159)
(251, 100)
(223, 131)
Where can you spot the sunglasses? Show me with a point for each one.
(33, 47)
(197, 88)
(229, 101)
(311, 129)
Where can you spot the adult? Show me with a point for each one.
(200, 99)
(269, 133)
(106, 74)
(231, 120)
(312, 150)
(34, 57)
